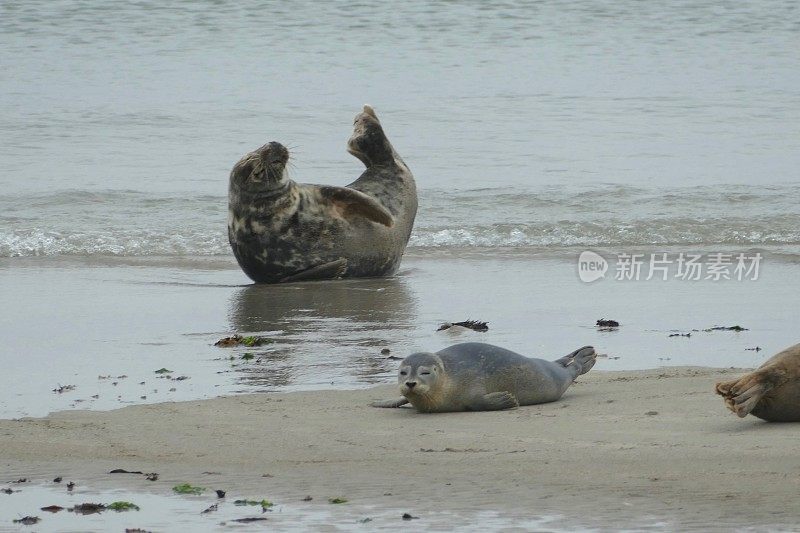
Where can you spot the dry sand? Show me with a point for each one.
(620, 449)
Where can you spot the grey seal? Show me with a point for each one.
(770, 392)
(474, 376)
(282, 231)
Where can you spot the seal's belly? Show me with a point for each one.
(529, 384)
(272, 246)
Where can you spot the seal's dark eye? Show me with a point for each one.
(403, 373)
(424, 373)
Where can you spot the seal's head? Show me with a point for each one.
(421, 378)
(263, 169)
(368, 142)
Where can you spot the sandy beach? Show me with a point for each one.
(652, 448)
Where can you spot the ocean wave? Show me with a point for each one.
(38, 242)
(132, 223)
(662, 232)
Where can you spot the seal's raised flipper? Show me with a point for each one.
(494, 401)
(350, 203)
(581, 360)
(389, 403)
(332, 270)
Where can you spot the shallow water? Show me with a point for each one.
(161, 511)
(107, 329)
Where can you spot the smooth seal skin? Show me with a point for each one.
(474, 376)
(771, 392)
(283, 231)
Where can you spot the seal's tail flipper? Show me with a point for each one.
(368, 142)
(370, 111)
(743, 394)
(582, 359)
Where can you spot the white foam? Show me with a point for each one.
(132, 223)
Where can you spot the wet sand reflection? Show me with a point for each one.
(330, 330)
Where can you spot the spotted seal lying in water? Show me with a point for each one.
(474, 376)
(284, 231)
(771, 392)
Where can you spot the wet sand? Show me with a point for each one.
(621, 449)
(83, 319)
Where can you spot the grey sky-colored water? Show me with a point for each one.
(165, 97)
(120, 121)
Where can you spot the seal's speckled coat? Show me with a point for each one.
(282, 231)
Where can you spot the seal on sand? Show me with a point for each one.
(474, 376)
(771, 392)
(284, 231)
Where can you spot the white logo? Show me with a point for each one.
(591, 266)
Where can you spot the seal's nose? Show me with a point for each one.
(411, 384)
(276, 153)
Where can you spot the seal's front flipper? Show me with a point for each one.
(494, 401)
(332, 270)
(389, 403)
(350, 203)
